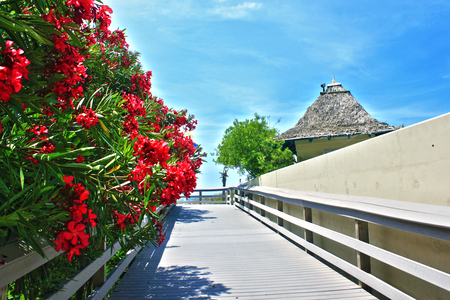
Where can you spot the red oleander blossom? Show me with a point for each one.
(47, 148)
(130, 126)
(134, 105)
(151, 152)
(73, 237)
(33, 160)
(90, 218)
(76, 234)
(142, 83)
(39, 129)
(87, 119)
(13, 68)
(120, 220)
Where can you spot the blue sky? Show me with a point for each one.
(227, 59)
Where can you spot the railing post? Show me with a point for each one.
(4, 293)
(250, 197)
(307, 215)
(363, 260)
(280, 221)
(263, 202)
(99, 278)
(200, 197)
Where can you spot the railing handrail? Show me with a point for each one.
(214, 189)
(425, 219)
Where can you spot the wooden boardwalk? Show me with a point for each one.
(220, 252)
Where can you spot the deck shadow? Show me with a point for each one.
(183, 282)
(193, 215)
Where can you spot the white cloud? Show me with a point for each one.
(236, 12)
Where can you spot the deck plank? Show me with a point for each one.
(219, 252)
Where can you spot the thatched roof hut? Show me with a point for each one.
(335, 113)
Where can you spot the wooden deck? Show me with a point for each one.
(220, 252)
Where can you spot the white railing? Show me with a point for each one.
(27, 260)
(209, 196)
(429, 220)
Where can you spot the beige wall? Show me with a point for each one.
(411, 164)
(307, 149)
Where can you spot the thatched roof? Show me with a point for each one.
(335, 113)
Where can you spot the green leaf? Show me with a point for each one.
(76, 167)
(104, 159)
(22, 178)
(28, 238)
(16, 196)
(64, 153)
(11, 115)
(37, 36)
(8, 24)
(73, 37)
(110, 144)
(3, 185)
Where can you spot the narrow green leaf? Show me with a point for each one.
(104, 159)
(4, 186)
(141, 217)
(7, 24)
(76, 167)
(11, 115)
(64, 153)
(110, 144)
(30, 31)
(16, 196)
(28, 238)
(22, 178)
(73, 37)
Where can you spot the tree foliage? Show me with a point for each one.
(249, 146)
(86, 150)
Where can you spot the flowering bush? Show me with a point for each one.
(84, 143)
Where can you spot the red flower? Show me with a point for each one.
(120, 220)
(152, 152)
(12, 71)
(39, 129)
(87, 119)
(47, 148)
(74, 250)
(90, 218)
(68, 179)
(33, 160)
(77, 212)
(61, 242)
(79, 159)
(76, 234)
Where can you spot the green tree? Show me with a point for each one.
(249, 146)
